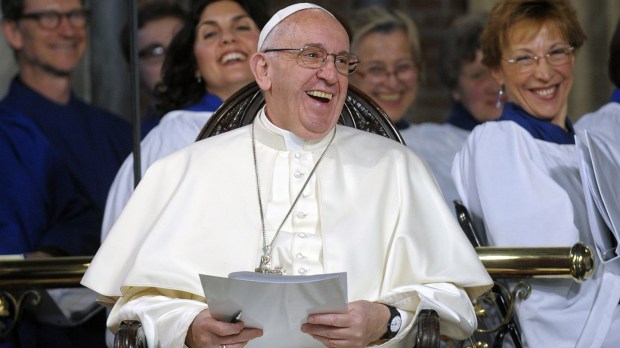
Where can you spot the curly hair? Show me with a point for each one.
(508, 13)
(179, 88)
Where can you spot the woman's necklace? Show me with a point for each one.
(265, 260)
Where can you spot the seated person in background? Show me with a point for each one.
(158, 22)
(388, 45)
(519, 176)
(606, 120)
(474, 93)
(214, 208)
(87, 144)
(207, 62)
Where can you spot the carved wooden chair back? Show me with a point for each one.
(359, 111)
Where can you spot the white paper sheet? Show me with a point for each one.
(277, 304)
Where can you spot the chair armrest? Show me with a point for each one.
(130, 335)
(428, 329)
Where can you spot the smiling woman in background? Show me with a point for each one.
(474, 94)
(388, 45)
(208, 61)
(520, 175)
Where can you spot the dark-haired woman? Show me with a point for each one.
(208, 61)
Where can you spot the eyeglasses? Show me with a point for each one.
(153, 53)
(556, 57)
(51, 19)
(404, 72)
(314, 57)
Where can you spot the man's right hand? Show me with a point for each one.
(206, 331)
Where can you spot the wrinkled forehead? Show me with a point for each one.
(311, 27)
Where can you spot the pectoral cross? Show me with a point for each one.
(265, 266)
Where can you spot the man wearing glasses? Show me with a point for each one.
(292, 193)
(48, 38)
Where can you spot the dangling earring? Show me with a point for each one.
(500, 96)
(199, 79)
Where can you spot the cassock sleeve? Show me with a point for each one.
(165, 316)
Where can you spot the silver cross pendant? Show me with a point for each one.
(265, 266)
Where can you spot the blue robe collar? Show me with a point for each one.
(615, 96)
(24, 96)
(210, 102)
(539, 129)
(461, 117)
(402, 124)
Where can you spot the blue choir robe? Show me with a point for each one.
(41, 208)
(92, 142)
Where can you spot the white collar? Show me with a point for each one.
(281, 139)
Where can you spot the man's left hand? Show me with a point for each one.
(363, 323)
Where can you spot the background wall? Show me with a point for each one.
(103, 76)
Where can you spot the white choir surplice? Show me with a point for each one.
(176, 130)
(372, 209)
(437, 144)
(605, 120)
(528, 192)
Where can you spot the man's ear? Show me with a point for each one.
(260, 68)
(12, 34)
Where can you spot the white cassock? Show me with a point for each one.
(528, 192)
(371, 209)
(176, 130)
(437, 144)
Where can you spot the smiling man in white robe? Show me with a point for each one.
(296, 193)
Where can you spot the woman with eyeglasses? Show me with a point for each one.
(388, 46)
(519, 176)
(207, 62)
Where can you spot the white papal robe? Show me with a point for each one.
(372, 210)
(176, 130)
(437, 144)
(528, 192)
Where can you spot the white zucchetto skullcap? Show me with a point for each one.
(280, 16)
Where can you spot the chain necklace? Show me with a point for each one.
(265, 260)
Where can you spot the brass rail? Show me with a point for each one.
(552, 262)
(500, 262)
(55, 272)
